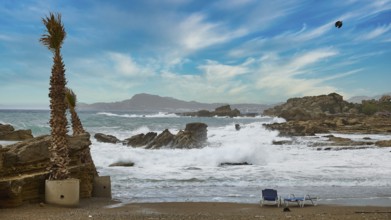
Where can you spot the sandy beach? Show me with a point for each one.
(98, 208)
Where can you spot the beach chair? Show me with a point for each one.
(301, 201)
(270, 196)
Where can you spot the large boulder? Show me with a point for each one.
(8, 133)
(194, 136)
(140, 139)
(163, 139)
(23, 169)
(106, 138)
(226, 111)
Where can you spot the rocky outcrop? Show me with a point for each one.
(140, 139)
(338, 123)
(223, 111)
(106, 138)
(23, 169)
(8, 133)
(163, 139)
(329, 113)
(194, 136)
(312, 107)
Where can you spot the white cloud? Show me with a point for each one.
(214, 70)
(309, 58)
(126, 66)
(215, 82)
(197, 33)
(277, 77)
(375, 33)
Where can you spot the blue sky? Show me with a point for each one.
(235, 51)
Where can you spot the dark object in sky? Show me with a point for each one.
(338, 24)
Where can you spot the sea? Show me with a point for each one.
(352, 177)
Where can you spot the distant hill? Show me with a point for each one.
(359, 99)
(155, 103)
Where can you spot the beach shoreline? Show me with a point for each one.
(101, 208)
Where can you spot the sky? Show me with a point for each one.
(232, 51)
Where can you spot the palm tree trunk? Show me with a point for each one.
(77, 127)
(58, 121)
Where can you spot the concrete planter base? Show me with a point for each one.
(62, 192)
(102, 187)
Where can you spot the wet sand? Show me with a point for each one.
(98, 208)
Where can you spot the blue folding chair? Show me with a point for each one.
(269, 196)
(300, 201)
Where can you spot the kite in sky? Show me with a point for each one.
(338, 24)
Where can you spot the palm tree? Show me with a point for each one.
(70, 100)
(77, 127)
(58, 149)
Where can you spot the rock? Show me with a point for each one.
(8, 133)
(226, 111)
(298, 128)
(140, 139)
(106, 138)
(6, 128)
(385, 99)
(23, 169)
(223, 111)
(282, 142)
(333, 114)
(194, 136)
(310, 107)
(385, 143)
(234, 164)
(163, 139)
(27, 152)
(122, 164)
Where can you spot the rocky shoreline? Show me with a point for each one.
(23, 165)
(222, 111)
(324, 114)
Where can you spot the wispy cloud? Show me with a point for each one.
(197, 33)
(125, 65)
(217, 71)
(377, 32)
(277, 76)
(212, 51)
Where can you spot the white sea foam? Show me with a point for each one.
(176, 173)
(154, 115)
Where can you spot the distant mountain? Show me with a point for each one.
(155, 103)
(359, 99)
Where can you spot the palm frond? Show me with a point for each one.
(55, 32)
(70, 98)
